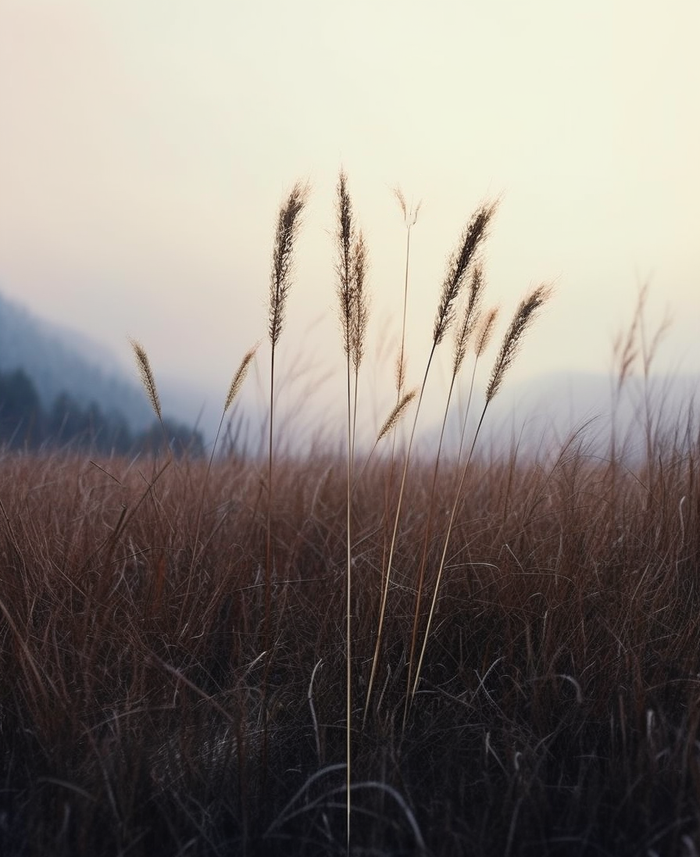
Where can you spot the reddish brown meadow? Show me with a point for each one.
(280, 655)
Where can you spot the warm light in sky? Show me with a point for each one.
(146, 146)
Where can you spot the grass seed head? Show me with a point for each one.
(396, 414)
(360, 302)
(470, 319)
(457, 268)
(147, 378)
(523, 318)
(410, 213)
(239, 377)
(485, 331)
(351, 271)
(288, 223)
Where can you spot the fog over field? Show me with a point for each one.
(147, 145)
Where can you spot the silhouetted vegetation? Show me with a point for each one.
(25, 424)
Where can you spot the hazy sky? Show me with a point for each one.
(145, 146)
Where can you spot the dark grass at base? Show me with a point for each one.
(557, 712)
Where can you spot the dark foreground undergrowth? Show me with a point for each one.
(149, 707)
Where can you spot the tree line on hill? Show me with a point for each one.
(26, 424)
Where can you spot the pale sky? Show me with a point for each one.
(145, 146)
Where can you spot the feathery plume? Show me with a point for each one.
(345, 238)
(457, 269)
(626, 348)
(351, 270)
(410, 214)
(239, 377)
(398, 193)
(523, 318)
(485, 331)
(147, 378)
(456, 273)
(410, 217)
(470, 318)
(288, 223)
(360, 304)
(396, 414)
(400, 371)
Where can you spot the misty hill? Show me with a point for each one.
(61, 361)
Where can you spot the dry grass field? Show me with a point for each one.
(493, 656)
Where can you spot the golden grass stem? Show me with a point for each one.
(464, 333)
(351, 270)
(457, 270)
(410, 216)
(395, 416)
(288, 225)
(234, 389)
(524, 316)
(483, 336)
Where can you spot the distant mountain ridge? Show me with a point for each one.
(59, 360)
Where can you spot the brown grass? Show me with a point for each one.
(555, 707)
(558, 706)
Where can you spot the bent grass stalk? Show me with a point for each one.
(457, 270)
(395, 416)
(233, 390)
(481, 343)
(410, 217)
(523, 318)
(463, 335)
(149, 384)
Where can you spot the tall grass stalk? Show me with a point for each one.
(233, 390)
(288, 224)
(148, 382)
(481, 343)
(632, 348)
(397, 413)
(524, 317)
(410, 217)
(457, 270)
(463, 335)
(351, 270)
